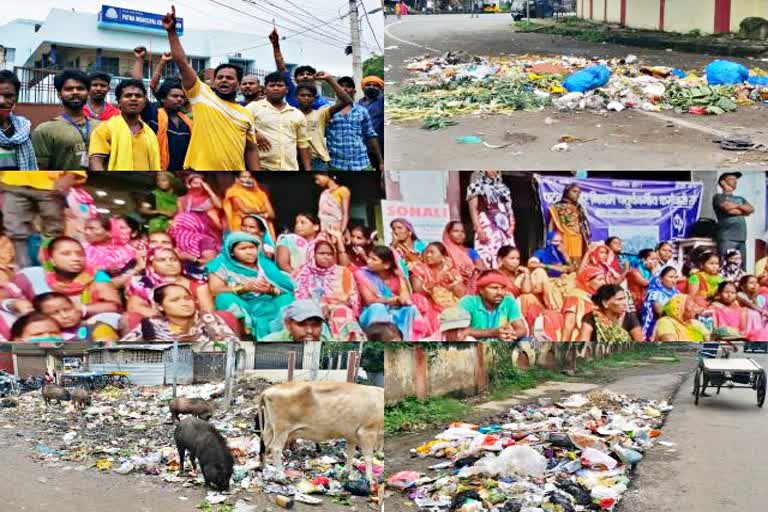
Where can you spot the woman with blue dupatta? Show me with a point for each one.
(249, 285)
(549, 266)
(660, 290)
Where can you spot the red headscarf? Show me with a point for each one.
(585, 275)
(459, 255)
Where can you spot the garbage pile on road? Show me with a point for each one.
(458, 83)
(130, 431)
(575, 455)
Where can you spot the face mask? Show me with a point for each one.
(247, 183)
(371, 92)
(226, 97)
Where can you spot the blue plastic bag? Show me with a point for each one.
(587, 79)
(725, 72)
(679, 73)
(758, 80)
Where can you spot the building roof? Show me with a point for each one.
(80, 30)
(134, 346)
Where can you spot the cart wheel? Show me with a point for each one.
(761, 388)
(697, 385)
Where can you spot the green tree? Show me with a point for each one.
(374, 66)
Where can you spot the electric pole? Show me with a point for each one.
(357, 64)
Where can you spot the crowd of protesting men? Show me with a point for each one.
(283, 123)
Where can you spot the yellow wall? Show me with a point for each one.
(614, 11)
(682, 17)
(643, 14)
(741, 9)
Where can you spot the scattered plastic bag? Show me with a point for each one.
(403, 479)
(597, 459)
(587, 79)
(725, 72)
(518, 460)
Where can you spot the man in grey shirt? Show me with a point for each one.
(731, 211)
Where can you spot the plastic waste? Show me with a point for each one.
(403, 479)
(584, 441)
(725, 72)
(125, 468)
(458, 433)
(469, 139)
(597, 459)
(358, 487)
(518, 460)
(627, 455)
(587, 79)
(574, 401)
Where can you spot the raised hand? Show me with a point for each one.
(166, 57)
(169, 20)
(274, 37)
(140, 52)
(322, 75)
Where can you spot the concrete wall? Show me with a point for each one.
(461, 369)
(681, 16)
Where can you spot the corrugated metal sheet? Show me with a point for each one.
(147, 374)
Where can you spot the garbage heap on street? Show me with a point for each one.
(130, 431)
(575, 455)
(457, 83)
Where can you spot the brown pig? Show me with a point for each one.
(194, 406)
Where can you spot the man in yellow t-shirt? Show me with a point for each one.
(283, 126)
(224, 138)
(317, 119)
(29, 193)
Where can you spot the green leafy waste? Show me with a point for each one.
(716, 99)
(436, 123)
(495, 95)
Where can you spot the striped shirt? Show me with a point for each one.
(346, 135)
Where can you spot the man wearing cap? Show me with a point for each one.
(454, 325)
(304, 321)
(731, 211)
(373, 89)
(495, 315)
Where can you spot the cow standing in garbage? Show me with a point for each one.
(321, 411)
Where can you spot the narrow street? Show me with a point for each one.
(714, 465)
(652, 140)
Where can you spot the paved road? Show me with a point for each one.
(624, 140)
(716, 466)
(719, 462)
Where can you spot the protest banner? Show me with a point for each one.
(641, 213)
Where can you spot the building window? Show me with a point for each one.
(198, 64)
(170, 69)
(9, 58)
(109, 65)
(247, 65)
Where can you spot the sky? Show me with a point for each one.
(211, 15)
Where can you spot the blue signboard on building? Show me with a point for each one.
(118, 18)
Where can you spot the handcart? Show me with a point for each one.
(716, 369)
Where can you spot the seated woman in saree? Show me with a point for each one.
(246, 197)
(610, 322)
(731, 269)
(752, 296)
(358, 246)
(65, 270)
(163, 267)
(333, 209)
(495, 314)
(180, 321)
(108, 248)
(601, 256)
(666, 253)
(198, 225)
(569, 219)
(103, 327)
(334, 288)
(578, 303)
(661, 288)
(36, 327)
(246, 283)
(294, 249)
(465, 259)
(259, 227)
(680, 323)
(386, 297)
(436, 284)
(552, 273)
(729, 313)
(161, 204)
(704, 283)
(191, 269)
(640, 275)
(407, 246)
